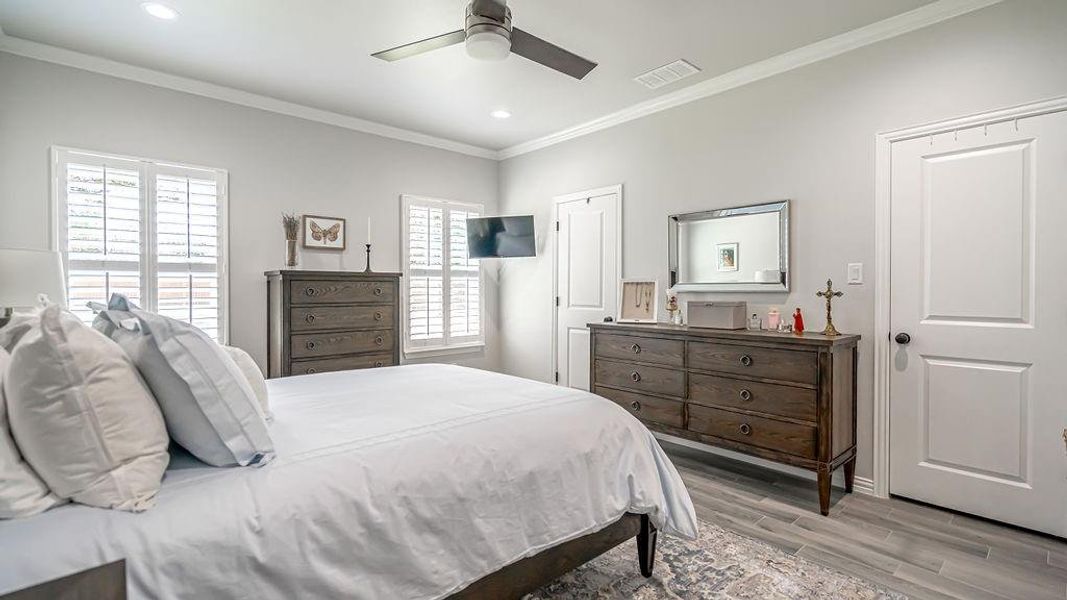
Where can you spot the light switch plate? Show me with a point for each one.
(855, 273)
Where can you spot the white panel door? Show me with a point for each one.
(587, 278)
(978, 395)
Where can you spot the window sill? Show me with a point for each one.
(444, 351)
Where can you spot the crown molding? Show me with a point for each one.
(932, 13)
(935, 12)
(86, 62)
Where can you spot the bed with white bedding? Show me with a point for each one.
(402, 482)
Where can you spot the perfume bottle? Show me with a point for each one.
(755, 323)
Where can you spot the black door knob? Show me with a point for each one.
(902, 338)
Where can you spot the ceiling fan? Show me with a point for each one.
(488, 35)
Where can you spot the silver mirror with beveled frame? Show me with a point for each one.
(738, 249)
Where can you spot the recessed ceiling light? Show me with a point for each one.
(500, 114)
(160, 11)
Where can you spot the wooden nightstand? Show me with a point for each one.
(106, 582)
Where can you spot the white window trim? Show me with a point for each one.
(469, 343)
(147, 168)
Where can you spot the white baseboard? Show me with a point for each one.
(863, 485)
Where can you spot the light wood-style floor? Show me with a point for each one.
(909, 547)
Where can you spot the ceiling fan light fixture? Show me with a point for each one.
(488, 45)
(159, 11)
(488, 35)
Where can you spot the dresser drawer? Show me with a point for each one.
(783, 400)
(341, 363)
(643, 378)
(647, 408)
(312, 291)
(313, 345)
(771, 434)
(785, 365)
(652, 350)
(315, 318)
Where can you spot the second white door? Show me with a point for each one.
(979, 317)
(587, 276)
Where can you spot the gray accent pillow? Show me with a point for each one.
(209, 407)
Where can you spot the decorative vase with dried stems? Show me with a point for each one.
(291, 225)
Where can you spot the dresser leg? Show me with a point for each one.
(850, 474)
(825, 476)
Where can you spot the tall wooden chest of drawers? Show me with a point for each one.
(781, 397)
(319, 321)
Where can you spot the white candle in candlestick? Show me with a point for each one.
(368, 230)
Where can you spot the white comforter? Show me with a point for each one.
(405, 482)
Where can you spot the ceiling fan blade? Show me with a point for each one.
(492, 9)
(550, 55)
(419, 47)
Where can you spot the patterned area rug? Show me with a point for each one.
(720, 564)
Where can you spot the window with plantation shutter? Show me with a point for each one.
(442, 287)
(153, 231)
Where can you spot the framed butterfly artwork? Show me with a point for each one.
(324, 233)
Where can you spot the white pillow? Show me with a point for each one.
(253, 376)
(22, 493)
(210, 409)
(83, 418)
(20, 323)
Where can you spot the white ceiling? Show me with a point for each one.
(317, 52)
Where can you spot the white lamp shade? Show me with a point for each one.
(24, 274)
(486, 45)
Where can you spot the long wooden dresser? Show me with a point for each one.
(781, 397)
(319, 321)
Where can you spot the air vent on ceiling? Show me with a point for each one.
(661, 76)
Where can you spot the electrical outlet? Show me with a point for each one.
(855, 273)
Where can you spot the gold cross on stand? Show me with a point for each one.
(829, 294)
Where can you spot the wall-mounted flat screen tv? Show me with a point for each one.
(501, 237)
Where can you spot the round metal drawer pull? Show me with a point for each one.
(378, 316)
(310, 345)
(636, 349)
(746, 360)
(378, 340)
(312, 371)
(746, 429)
(635, 376)
(377, 291)
(309, 291)
(310, 318)
(746, 395)
(379, 364)
(635, 405)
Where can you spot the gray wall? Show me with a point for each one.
(807, 135)
(276, 163)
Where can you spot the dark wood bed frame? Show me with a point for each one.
(525, 576)
(108, 582)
